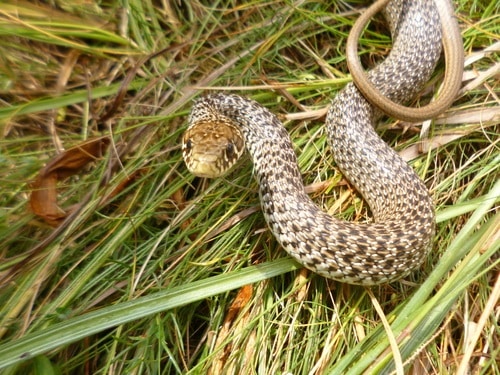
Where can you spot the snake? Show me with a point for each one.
(396, 241)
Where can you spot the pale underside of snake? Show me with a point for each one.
(397, 241)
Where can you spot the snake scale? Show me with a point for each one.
(221, 126)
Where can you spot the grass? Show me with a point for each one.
(154, 271)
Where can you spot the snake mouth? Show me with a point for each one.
(205, 165)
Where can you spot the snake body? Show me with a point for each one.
(358, 253)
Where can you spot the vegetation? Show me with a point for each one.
(133, 266)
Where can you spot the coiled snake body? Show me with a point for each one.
(359, 253)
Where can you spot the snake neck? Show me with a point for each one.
(266, 140)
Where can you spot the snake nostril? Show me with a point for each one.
(188, 144)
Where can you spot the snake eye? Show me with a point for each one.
(188, 144)
(230, 150)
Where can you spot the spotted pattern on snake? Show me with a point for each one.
(359, 253)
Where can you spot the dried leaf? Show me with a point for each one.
(43, 199)
(72, 160)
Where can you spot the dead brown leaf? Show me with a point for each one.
(43, 199)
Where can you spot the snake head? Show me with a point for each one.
(211, 148)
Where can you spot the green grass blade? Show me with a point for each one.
(77, 328)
